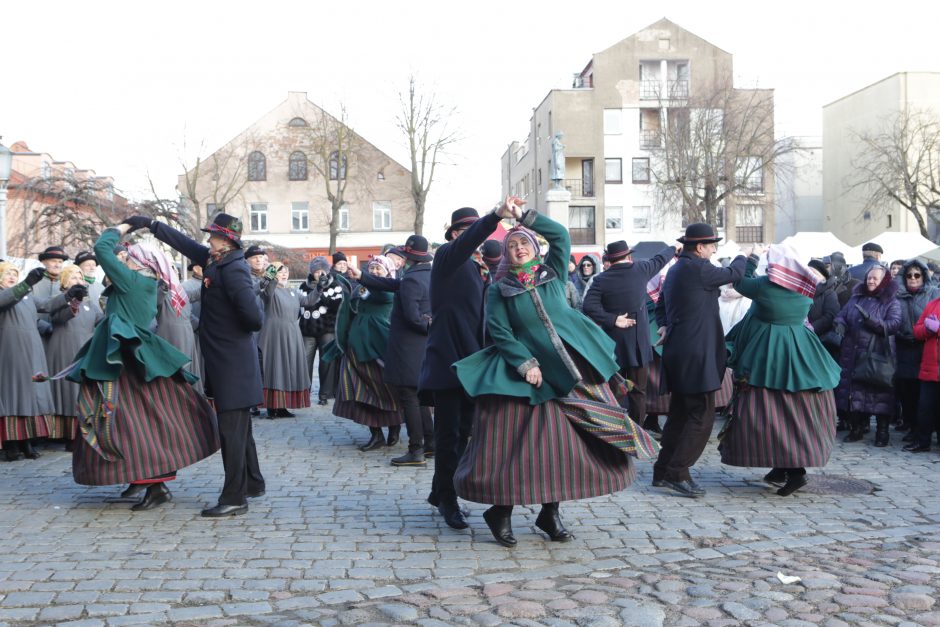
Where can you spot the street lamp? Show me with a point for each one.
(6, 164)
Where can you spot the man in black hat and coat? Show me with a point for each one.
(871, 256)
(694, 354)
(48, 288)
(230, 318)
(617, 303)
(457, 331)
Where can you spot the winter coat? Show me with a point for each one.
(42, 295)
(824, 309)
(622, 290)
(598, 268)
(230, 317)
(910, 349)
(21, 356)
(319, 319)
(858, 272)
(73, 324)
(884, 320)
(280, 341)
(930, 362)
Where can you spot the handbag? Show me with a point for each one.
(875, 368)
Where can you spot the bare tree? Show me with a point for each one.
(424, 123)
(899, 163)
(710, 146)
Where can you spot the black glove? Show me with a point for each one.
(138, 222)
(324, 281)
(77, 291)
(862, 312)
(34, 276)
(270, 273)
(874, 324)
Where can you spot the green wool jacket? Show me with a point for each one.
(131, 307)
(771, 347)
(529, 327)
(363, 327)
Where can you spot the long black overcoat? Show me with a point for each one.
(622, 290)
(457, 306)
(694, 353)
(230, 317)
(411, 315)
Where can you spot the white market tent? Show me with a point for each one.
(903, 246)
(809, 244)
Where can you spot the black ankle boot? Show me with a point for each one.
(376, 441)
(499, 519)
(394, 434)
(133, 491)
(28, 451)
(795, 481)
(11, 452)
(881, 432)
(776, 475)
(157, 494)
(550, 522)
(855, 431)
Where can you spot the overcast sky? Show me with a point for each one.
(118, 86)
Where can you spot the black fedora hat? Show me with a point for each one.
(616, 251)
(699, 233)
(53, 252)
(463, 217)
(416, 249)
(227, 226)
(84, 256)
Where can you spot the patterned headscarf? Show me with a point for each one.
(385, 262)
(154, 260)
(786, 270)
(526, 272)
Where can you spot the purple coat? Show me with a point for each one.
(882, 307)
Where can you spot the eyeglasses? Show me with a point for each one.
(913, 275)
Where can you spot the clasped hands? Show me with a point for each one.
(511, 208)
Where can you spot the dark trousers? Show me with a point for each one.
(239, 457)
(453, 419)
(908, 394)
(688, 427)
(417, 418)
(928, 412)
(327, 371)
(636, 399)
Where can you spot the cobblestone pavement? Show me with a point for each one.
(341, 537)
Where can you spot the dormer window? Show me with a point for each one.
(298, 123)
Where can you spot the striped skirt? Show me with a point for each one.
(657, 403)
(284, 399)
(137, 430)
(523, 454)
(723, 394)
(63, 427)
(777, 429)
(25, 427)
(362, 395)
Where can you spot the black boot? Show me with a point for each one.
(133, 491)
(776, 475)
(842, 424)
(394, 434)
(881, 432)
(796, 479)
(157, 494)
(855, 430)
(283, 412)
(550, 522)
(11, 451)
(651, 424)
(28, 451)
(499, 519)
(414, 457)
(376, 441)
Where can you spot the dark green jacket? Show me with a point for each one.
(529, 327)
(363, 325)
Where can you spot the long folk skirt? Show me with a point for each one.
(523, 454)
(777, 429)
(135, 430)
(25, 427)
(363, 396)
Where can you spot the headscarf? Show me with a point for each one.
(385, 262)
(154, 260)
(655, 285)
(785, 269)
(6, 265)
(525, 273)
(67, 273)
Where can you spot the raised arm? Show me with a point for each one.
(651, 267)
(713, 276)
(196, 252)
(380, 283)
(559, 241)
(451, 255)
(122, 277)
(749, 285)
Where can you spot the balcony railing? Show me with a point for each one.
(650, 89)
(749, 234)
(678, 90)
(578, 188)
(651, 138)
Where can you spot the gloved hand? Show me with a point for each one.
(79, 291)
(34, 276)
(862, 312)
(305, 286)
(874, 324)
(138, 222)
(932, 323)
(324, 281)
(270, 272)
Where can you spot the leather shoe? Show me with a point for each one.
(686, 487)
(394, 434)
(134, 490)
(453, 516)
(917, 448)
(253, 494)
(157, 494)
(28, 451)
(499, 519)
(428, 453)
(285, 413)
(659, 483)
(909, 437)
(434, 502)
(254, 412)
(225, 510)
(322, 401)
(776, 475)
(376, 441)
(550, 522)
(411, 458)
(794, 483)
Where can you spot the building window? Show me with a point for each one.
(259, 217)
(213, 209)
(344, 218)
(297, 166)
(641, 170)
(641, 219)
(380, 176)
(613, 170)
(257, 166)
(298, 123)
(540, 177)
(337, 166)
(299, 216)
(382, 215)
(613, 119)
(749, 223)
(749, 174)
(613, 218)
(581, 224)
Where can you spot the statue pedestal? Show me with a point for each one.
(556, 205)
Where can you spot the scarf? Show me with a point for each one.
(215, 256)
(525, 273)
(504, 265)
(785, 269)
(155, 261)
(477, 258)
(385, 262)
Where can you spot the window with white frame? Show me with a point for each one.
(613, 170)
(641, 170)
(382, 215)
(613, 121)
(259, 217)
(749, 214)
(641, 219)
(344, 217)
(613, 218)
(300, 216)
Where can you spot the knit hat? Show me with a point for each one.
(319, 263)
(338, 256)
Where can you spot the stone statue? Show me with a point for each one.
(558, 160)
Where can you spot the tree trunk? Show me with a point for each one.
(419, 216)
(921, 223)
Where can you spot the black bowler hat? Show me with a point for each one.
(872, 247)
(84, 256)
(463, 217)
(492, 250)
(53, 252)
(254, 250)
(416, 249)
(617, 251)
(699, 233)
(227, 226)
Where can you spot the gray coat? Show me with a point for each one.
(193, 289)
(70, 331)
(43, 293)
(281, 343)
(21, 356)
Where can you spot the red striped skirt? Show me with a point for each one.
(777, 429)
(24, 427)
(286, 399)
(63, 427)
(656, 403)
(153, 429)
(723, 394)
(522, 454)
(362, 395)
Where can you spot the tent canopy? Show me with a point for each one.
(903, 246)
(809, 244)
